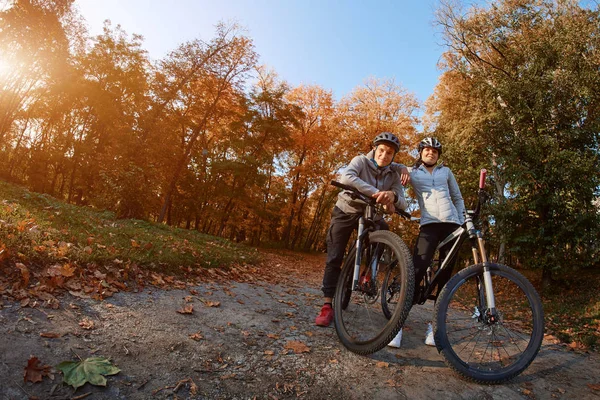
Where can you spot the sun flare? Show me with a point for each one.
(5, 67)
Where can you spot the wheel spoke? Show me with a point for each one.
(363, 325)
(484, 348)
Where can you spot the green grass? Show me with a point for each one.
(37, 229)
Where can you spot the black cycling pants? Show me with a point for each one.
(340, 229)
(429, 238)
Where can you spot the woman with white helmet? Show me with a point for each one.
(442, 212)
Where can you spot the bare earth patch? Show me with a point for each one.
(256, 338)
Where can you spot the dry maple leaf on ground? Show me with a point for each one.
(297, 347)
(34, 372)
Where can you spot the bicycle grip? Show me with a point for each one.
(342, 186)
(482, 174)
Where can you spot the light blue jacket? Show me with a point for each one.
(365, 176)
(438, 195)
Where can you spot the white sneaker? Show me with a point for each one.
(396, 341)
(429, 341)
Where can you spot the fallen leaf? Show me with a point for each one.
(594, 386)
(392, 383)
(67, 270)
(297, 346)
(212, 303)
(187, 309)
(92, 370)
(34, 371)
(50, 335)
(196, 336)
(382, 364)
(272, 336)
(86, 324)
(24, 273)
(269, 352)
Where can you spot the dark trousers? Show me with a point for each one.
(430, 236)
(340, 229)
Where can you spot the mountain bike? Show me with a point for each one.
(488, 318)
(360, 322)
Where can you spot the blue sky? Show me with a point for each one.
(335, 44)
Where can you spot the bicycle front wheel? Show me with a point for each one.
(480, 348)
(360, 322)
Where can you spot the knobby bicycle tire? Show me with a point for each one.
(480, 350)
(359, 320)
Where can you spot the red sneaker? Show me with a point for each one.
(326, 316)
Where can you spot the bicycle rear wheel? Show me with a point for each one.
(359, 319)
(481, 349)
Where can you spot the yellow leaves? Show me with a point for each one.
(67, 270)
(26, 224)
(382, 364)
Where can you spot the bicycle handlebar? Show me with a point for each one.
(367, 199)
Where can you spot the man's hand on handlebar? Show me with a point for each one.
(385, 197)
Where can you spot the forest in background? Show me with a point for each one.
(208, 139)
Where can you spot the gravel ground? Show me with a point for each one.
(247, 341)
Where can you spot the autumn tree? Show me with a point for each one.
(304, 161)
(520, 92)
(195, 80)
(34, 52)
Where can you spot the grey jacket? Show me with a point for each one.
(438, 194)
(364, 175)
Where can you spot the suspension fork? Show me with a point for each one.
(487, 278)
(357, 259)
(478, 248)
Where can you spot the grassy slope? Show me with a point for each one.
(37, 229)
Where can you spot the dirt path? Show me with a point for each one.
(254, 340)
